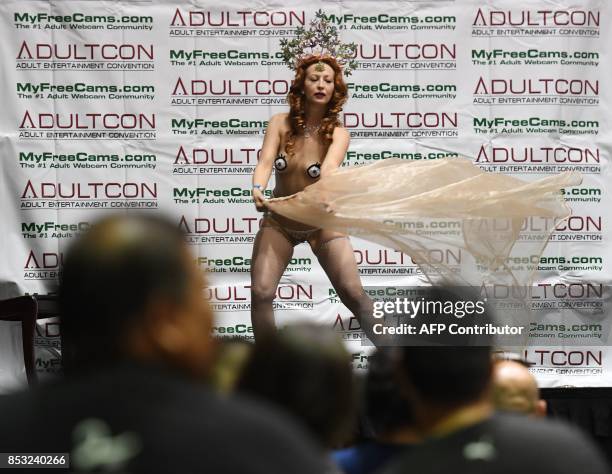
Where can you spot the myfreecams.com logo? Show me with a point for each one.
(452, 316)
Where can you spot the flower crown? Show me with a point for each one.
(320, 40)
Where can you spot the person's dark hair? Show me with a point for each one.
(306, 370)
(386, 408)
(450, 375)
(111, 274)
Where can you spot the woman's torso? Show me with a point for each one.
(293, 173)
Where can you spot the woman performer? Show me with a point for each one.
(301, 146)
(306, 146)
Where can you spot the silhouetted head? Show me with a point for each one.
(446, 375)
(130, 290)
(515, 389)
(385, 405)
(305, 370)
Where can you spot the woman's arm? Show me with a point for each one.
(334, 157)
(263, 170)
(336, 151)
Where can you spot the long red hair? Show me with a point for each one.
(297, 102)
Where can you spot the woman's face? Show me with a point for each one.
(319, 83)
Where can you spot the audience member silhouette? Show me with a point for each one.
(388, 421)
(306, 370)
(137, 346)
(515, 389)
(450, 391)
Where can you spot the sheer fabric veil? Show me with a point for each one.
(426, 208)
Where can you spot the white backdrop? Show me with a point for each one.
(161, 105)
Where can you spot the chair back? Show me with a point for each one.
(23, 309)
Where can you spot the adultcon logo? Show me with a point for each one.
(570, 361)
(92, 56)
(41, 266)
(86, 126)
(204, 160)
(536, 91)
(537, 23)
(401, 124)
(236, 298)
(78, 195)
(219, 230)
(398, 56)
(536, 228)
(241, 91)
(585, 297)
(542, 159)
(347, 326)
(233, 23)
(388, 262)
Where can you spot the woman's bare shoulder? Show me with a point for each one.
(340, 133)
(280, 121)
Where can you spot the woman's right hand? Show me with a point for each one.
(259, 200)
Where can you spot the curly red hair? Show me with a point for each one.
(296, 99)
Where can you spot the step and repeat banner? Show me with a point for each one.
(114, 106)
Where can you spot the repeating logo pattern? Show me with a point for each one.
(170, 114)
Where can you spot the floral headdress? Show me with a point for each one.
(319, 41)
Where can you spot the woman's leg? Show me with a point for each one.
(272, 252)
(335, 254)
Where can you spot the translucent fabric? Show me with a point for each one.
(427, 208)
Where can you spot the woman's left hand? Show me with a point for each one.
(259, 199)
